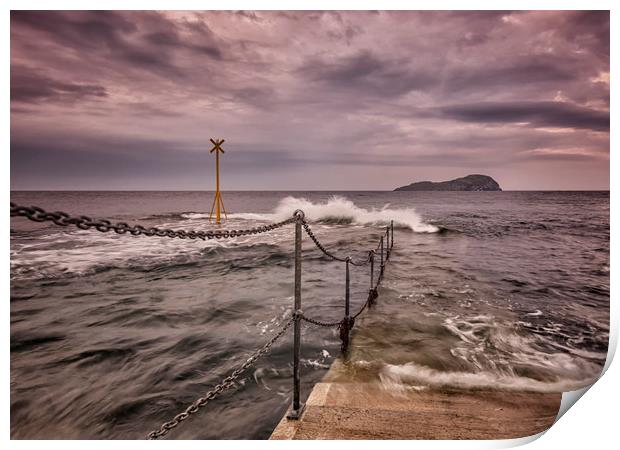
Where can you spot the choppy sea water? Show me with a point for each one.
(112, 335)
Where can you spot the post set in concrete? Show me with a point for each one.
(297, 407)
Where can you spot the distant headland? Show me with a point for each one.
(468, 183)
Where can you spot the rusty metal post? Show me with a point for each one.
(297, 407)
(392, 234)
(381, 254)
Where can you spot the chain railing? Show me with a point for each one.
(226, 384)
(63, 219)
(345, 324)
(327, 253)
(348, 321)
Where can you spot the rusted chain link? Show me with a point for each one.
(226, 384)
(318, 322)
(326, 252)
(63, 219)
(344, 325)
(370, 300)
(366, 303)
(372, 296)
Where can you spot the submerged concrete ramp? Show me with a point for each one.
(365, 410)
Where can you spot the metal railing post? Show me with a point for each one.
(392, 234)
(297, 407)
(347, 291)
(372, 291)
(347, 321)
(381, 254)
(372, 268)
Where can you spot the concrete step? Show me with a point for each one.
(366, 410)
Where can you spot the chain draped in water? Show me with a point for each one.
(372, 296)
(226, 384)
(63, 219)
(326, 252)
(344, 325)
(320, 323)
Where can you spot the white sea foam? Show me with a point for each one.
(340, 209)
(243, 216)
(92, 252)
(500, 356)
(195, 215)
(401, 377)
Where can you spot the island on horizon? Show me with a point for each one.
(469, 183)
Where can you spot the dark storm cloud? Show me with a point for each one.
(78, 30)
(171, 38)
(365, 72)
(145, 40)
(28, 85)
(519, 71)
(308, 97)
(538, 114)
(589, 29)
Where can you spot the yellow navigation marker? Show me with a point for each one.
(218, 203)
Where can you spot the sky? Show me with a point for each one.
(121, 100)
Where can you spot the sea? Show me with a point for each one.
(111, 335)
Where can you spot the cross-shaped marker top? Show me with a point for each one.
(216, 145)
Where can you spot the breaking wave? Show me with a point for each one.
(341, 210)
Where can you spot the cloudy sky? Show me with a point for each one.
(308, 100)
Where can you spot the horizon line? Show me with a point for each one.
(297, 190)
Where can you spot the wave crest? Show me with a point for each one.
(340, 210)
